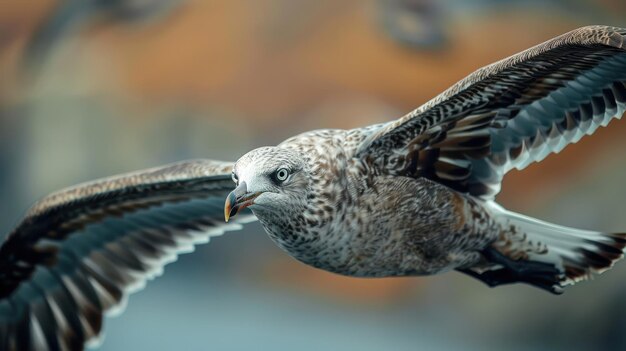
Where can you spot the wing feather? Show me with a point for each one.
(509, 114)
(80, 252)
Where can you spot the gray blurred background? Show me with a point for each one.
(90, 88)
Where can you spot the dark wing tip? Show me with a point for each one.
(598, 258)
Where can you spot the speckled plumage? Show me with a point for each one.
(357, 223)
(409, 197)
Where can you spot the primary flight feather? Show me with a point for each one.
(410, 197)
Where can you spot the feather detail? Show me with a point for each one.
(80, 252)
(509, 114)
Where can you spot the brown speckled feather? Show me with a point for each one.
(509, 114)
(79, 252)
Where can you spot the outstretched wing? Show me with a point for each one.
(79, 252)
(508, 114)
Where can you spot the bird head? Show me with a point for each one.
(271, 181)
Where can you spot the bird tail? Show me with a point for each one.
(576, 254)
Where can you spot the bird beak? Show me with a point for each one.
(238, 199)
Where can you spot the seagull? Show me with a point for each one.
(410, 197)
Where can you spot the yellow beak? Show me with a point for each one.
(237, 200)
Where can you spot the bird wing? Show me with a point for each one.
(79, 252)
(508, 114)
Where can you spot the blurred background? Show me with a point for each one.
(90, 88)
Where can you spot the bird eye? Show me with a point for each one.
(235, 178)
(281, 175)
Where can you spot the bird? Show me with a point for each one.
(415, 196)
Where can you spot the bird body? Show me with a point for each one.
(358, 223)
(414, 196)
(352, 219)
